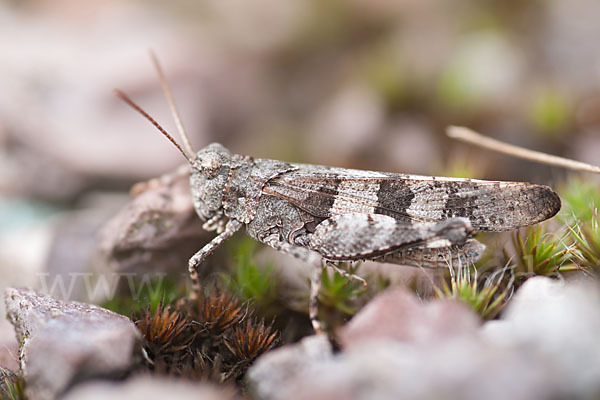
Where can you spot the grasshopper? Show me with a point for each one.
(318, 213)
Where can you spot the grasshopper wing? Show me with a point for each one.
(489, 205)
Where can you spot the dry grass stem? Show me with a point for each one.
(469, 136)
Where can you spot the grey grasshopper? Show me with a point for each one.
(319, 213)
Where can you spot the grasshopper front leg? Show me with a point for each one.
(231, 227)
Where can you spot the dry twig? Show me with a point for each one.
(469, 136)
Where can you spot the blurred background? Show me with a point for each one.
(368, 84)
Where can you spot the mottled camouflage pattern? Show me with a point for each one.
(317, 212)
(489, 205)
(335, 238)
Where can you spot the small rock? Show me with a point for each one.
(269, 377)
(159, 229)
(400, 348)
(149, 388)
(399, 315)
(560, 322)
(62, 343)
(457, 368)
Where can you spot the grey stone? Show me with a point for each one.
(62, 343)
(383, 345)
(149, 388)
(544, 347)
(399, 315)
(271, 375)
(157, 230)
(454, 368)
(559, 322)
(458, 367)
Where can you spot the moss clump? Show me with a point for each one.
(214, 337)
(166, 334)
(487, 296)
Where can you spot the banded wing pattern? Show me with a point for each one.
(489, 205)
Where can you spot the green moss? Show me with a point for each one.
(585, 239)
(247, 280)
(539, 252)
(579, 200)
(144, 293)
(486, 296)
(339, 292)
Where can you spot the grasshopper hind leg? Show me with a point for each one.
(313, 301)
(467, 254)
(315, 261)
(356, 236)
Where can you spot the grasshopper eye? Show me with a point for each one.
(211, 165)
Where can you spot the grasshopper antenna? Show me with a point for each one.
(137, 108)
(174, 112)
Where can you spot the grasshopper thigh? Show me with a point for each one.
(365, 236)
(276, 217)
(315, 261)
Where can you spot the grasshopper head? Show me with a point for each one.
(208, 176)
(209, 169)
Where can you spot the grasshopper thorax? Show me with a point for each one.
(209, 172)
